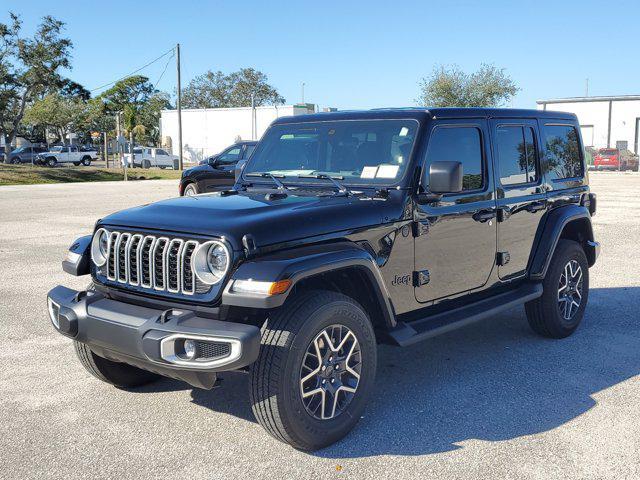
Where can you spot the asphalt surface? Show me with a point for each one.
(489, 401)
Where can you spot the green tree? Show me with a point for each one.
(59, 113)
(217, 90)
(134, 90)
(451, 87)
(28, 67)
(140, 104)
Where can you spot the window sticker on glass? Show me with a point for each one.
(369, 172)
(403, 132)
(387, 171)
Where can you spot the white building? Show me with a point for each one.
(604, 121)
(209, 130)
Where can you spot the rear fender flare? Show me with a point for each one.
(548, 236)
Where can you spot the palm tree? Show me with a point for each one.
(131, 126)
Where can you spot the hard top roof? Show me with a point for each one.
(427, 114)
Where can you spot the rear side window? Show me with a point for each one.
(563, 151)
(516, 154)
(459, 144)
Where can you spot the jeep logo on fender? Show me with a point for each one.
(401, 280)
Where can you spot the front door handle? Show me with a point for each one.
(536, 206)
(484, 215)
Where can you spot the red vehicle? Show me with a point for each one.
(614, 159)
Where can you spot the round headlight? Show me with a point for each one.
(100, 247)
(210, 262)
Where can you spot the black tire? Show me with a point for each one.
(119, 374)
(545, 314)
(275, 378)
(16, 160)
(86, 161)
(77, 164)
(51, 161)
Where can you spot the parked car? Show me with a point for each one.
(147, 157)
(218, 171)
(25, 154)
(344, 230)
(66, 154)
(614, 159)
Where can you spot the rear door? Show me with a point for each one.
(455, 238)
(521, 197)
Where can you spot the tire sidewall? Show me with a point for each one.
(190, 187)
(566, 251)
(309, 430)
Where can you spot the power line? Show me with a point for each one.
(134, 72)
(163, 71)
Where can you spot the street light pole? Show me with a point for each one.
(179, 107)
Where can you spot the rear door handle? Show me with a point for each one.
(484, 215)
(536, 206)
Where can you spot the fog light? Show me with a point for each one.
(54, 310)
(189, 349)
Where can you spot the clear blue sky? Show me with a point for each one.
(357, 54)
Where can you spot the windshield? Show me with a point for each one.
(608, 151)
(359, 152)
(57, 148)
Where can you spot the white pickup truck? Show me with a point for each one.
(147, 157)
(66, 154)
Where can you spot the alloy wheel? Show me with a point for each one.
(570, 290)
(330, 372)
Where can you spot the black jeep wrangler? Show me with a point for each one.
(344, 230)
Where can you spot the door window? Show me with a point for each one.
(230, 156)
(563, 159)
(249, 150)
(160, 151)
(459, 144)
(516, 154)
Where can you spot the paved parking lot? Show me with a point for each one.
(488, 401)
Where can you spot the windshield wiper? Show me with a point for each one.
(324, 176)
(279, 184)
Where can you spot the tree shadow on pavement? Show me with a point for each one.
(491, 381)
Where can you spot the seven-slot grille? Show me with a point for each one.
(156, 263)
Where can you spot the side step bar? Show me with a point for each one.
(409, 333)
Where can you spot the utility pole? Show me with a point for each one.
(106, 154)
(253, 116)
(179, 105)
(586, 93)
(303, 92)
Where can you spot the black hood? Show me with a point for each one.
(269, 221)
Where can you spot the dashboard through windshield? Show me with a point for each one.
(358, 152)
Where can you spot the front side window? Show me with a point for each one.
(563, 159)
(354, 151)
(459, 144)
(516, 154)
(230, 156)
(160, 151)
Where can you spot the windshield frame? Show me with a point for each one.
(294, 180)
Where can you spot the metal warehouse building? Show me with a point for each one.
(604, 121)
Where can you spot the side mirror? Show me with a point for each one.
(444, 177)
(213, 161)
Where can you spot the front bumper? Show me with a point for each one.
(153, 339)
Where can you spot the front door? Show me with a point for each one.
(455, 238)
(223, 172)
(520, 194)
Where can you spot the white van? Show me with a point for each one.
(147, 157)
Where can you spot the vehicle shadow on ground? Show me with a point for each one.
(491, 381)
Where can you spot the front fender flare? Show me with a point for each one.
(304, 262)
